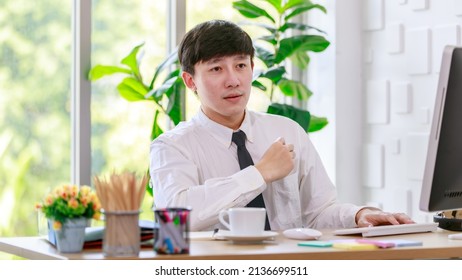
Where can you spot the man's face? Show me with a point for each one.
(223, 86)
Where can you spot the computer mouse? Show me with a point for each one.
(302, 233)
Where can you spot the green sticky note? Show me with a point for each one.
(316, 243)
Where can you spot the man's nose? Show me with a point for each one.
(232, 79)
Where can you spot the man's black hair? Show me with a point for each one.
(213, 39)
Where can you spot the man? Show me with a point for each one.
(196, 163)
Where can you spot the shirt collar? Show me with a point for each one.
(247, 127)
(222, 133)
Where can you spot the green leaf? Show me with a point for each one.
(300, 59)
(295, 3)
(317, 123)
(270, 28)
(294, 88)
(100, 71)
(132, 89)
(167, 86)
(289, 46)
(148, 184)
(174, 105)
(302, 117)
(258, 85)
(132, 62)
(298, 26)
(270, 39)
(171, 59)
(276, 4)
(303, 9)
(264, 55)
(274, 74)
(249, 10)
(313, 43)
(155, 132)
(156, 129)
(174, 74)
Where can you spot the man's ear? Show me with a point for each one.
(189, 81)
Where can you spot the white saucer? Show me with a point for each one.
(247, 238)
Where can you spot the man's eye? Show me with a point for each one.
(242, 65)
(215, 69)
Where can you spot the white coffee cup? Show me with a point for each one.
(244, 221)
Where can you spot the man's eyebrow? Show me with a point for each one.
(218, 59)
(241, 56)
(214, 60)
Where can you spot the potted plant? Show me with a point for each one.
(68, 209)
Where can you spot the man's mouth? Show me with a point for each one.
(233, 96)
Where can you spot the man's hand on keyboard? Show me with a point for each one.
(367, 217)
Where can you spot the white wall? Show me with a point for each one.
(405, 40)
(335, 78)
(385, 58)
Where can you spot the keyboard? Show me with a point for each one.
(388, 229)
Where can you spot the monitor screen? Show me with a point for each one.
(442, 182)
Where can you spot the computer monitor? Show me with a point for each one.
(442, 181)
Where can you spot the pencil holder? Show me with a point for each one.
(171, 233)
(121, 234)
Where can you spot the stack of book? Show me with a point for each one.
(94, 235)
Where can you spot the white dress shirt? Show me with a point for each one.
(195, 165)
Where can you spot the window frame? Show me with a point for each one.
(81, 86)
(81, 93)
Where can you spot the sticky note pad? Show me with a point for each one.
(404, 243)
(378, 243)
(316, 244)
(354, 246)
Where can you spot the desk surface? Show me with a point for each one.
(436, 245)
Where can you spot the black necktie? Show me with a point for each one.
(245, 160)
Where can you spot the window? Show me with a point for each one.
(121, 129)
(35, 47)
(35, 100)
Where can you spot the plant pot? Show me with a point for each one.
(71, 237)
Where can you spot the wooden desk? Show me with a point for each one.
(436, 245)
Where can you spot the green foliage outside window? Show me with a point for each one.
(35, 122)
(35, 46)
